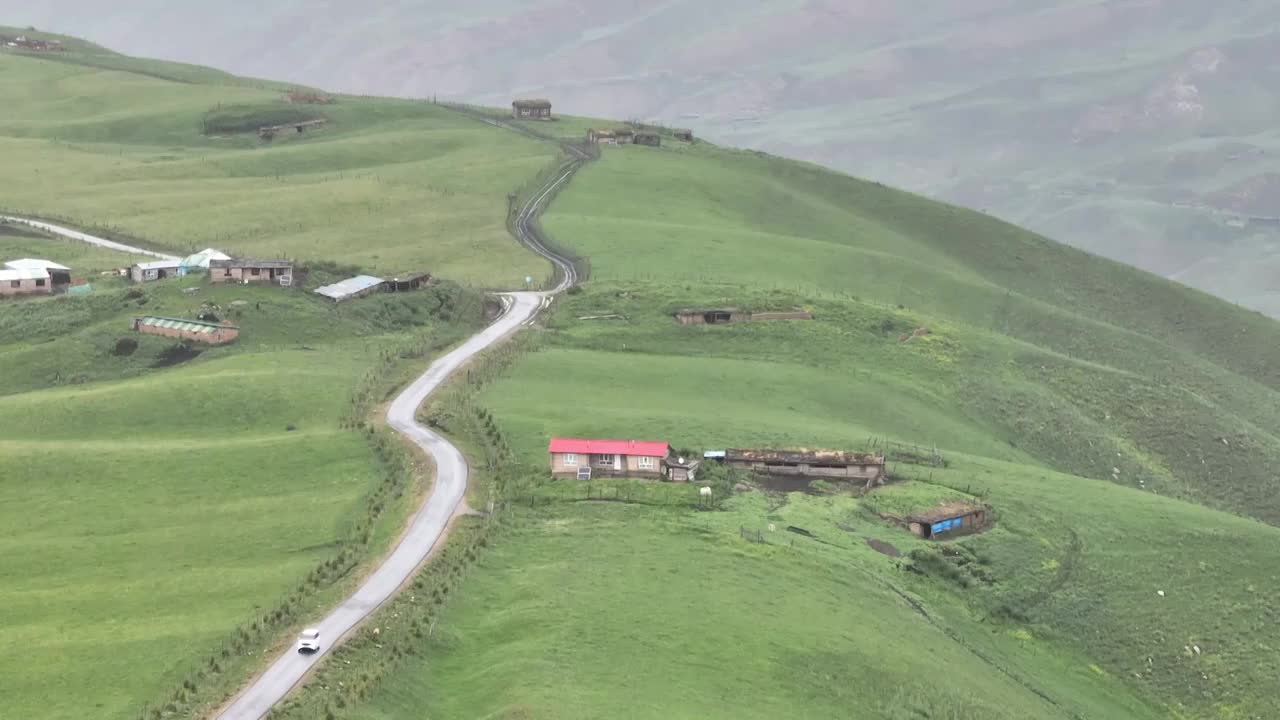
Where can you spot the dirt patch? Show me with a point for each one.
(175, 355)
(124, 347)
(884, 548)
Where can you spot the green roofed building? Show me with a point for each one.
(197, 330)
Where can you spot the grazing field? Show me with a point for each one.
(154, 510)
(388, 185)
(173, 509)
(1117, 424)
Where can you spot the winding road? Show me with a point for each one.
(428, 524)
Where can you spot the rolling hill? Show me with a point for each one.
(1138, 130)
(1117, 423)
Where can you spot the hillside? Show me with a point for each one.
(167, 503)
(1118, 425)
(1141, 131)
(1118, 422)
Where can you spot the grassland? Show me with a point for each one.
(387, 185)
(174, 511)
(1117, 423)
(154, 511)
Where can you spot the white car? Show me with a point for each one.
(309, 640)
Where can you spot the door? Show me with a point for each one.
(617, 463)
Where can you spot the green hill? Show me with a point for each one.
(166, 504)
(1118, 424)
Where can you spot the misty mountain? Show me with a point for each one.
(1144, 130)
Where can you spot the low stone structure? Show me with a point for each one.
(719, 316)
(949, 519)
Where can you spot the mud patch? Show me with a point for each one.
(175, 355)
(884, 548)
(124, 347)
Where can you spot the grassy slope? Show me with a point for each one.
(388, 185)
(1040, 359)
(154, 511)
(151, 512)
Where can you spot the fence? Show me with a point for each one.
(634, 492)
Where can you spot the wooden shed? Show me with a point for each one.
(646, 137)
(536, 109)
(810, 463)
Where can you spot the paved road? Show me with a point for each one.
(424, 531)
(427, 527)
(85, 237)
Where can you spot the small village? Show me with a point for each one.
(588, 459)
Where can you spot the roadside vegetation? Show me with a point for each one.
(1086, 402)
(175, 509)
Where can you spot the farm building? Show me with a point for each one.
(352, 287)
(718, 316)
(680, 469)
(246, 270)
(199, 262)
(682, 134)
(531, 109)
(645, 137)
(25, 282)
(59, 275)
(154, 270)
(407, 281)
(624, 135)
(612, 458)
(949, 519)
(602, 137)
(197, 330)
(810, 463)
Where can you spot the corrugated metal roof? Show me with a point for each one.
(191, 326)
(34, 264)
(349, 287)
(8, 275)
(157, 265)
(608, 447)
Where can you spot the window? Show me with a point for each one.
(570, 460)
(604, 460)
(256, 272)
(39, 282)
(15, 283)
(646, 462)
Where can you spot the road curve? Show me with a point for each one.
(428, 525)
(425, 529)
(85, 237)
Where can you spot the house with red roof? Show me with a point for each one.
(615, 458)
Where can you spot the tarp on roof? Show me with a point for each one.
(11, 274)
(191, 326)
(609, 447)
(202, 258)
(34, 264)
(157, 265)
(349, 287)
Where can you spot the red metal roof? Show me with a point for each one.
(608, 447)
